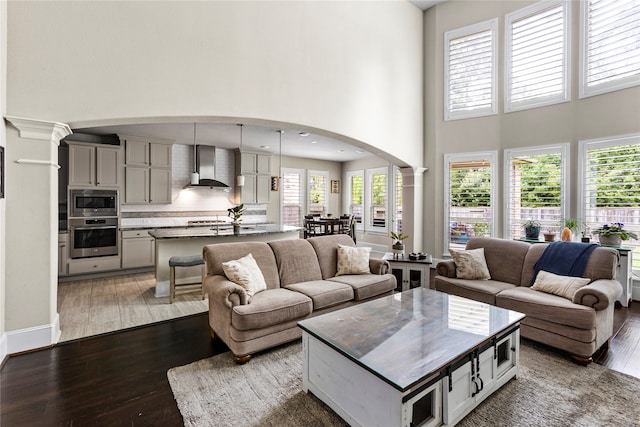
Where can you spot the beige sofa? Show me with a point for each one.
(301, 282)
(580, 326)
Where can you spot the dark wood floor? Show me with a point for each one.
(120, 378)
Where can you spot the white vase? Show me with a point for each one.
(614, 241)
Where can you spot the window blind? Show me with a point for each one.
(378, 197)
(292, 198)
(611, 45)
(357, 194)
(611, 190)
(536, 192)
(470, 64)
(318, 182)
(398, 202)
(470, 200)
(537, 56)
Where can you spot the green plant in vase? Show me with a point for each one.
(613, 234)
(236, 216)
(398, 246)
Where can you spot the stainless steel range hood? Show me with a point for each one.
(205, 165)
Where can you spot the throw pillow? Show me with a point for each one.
(564, 286)
(246, 273)
(470, 264)
(352, 260)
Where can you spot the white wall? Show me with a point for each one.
(604, 115)
(350, 69)
(3, 204)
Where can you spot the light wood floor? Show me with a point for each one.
(92, 307)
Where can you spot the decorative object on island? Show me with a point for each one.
(613, 234)
(240, 177)
(398, 247)
(236, 217)
(531, 229)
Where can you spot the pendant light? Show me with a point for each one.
(195, 177)
(240, 177)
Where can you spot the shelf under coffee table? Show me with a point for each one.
(415, 358)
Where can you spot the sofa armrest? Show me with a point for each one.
(446, 268)
(379, 266)
(598, 294)
(225, 291)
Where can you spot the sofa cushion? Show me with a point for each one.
(504, 257)
(352, 260)
(271, 307)
(326, 248)
(246, 273)
(215, 254)
(470, 264)
(479, 290)
(563, 286)
(297, 261)
(367, 285)
(323, 293)
(551, 308)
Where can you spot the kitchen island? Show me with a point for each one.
(190, 241)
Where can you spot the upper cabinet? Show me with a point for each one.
(93, 165)
(147, 171)
(256, 169)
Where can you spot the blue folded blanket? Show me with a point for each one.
(564, 259)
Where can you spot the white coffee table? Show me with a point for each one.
(415, 358)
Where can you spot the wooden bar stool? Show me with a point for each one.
(184, 261)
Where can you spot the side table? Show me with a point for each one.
(409, 274)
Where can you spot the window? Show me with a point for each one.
(536, 188)
(470, 188)
(537, 55)
(376, 200)
(609, 46)
(610, 173)
(355, 191)
(470, 71)
(397, 200)
(292, 192)
(318, 189)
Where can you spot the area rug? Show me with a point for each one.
(267, 391)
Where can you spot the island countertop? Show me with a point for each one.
(226, 231)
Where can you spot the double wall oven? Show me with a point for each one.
(93, 223)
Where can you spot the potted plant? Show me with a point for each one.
(585, 235)
(570, 228)
(613, 234)
(531, 229)
(398, 247)
(236, 216)
(549, 236)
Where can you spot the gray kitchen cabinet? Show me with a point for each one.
(256, 169)
(92, 165)
(138, 249)
(147, 171)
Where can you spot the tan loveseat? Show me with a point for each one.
(579, 326)
(301, 282)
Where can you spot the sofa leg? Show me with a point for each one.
(241, 360)
(212, 333)
(581, 360)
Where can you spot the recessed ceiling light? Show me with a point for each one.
(313, 142)
(264, 146)
(341, 151)
(359, 151)
(303, 133)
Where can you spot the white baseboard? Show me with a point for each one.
(33, 338)
(3, 348)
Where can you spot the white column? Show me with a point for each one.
(31, 276)
(412, 207)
